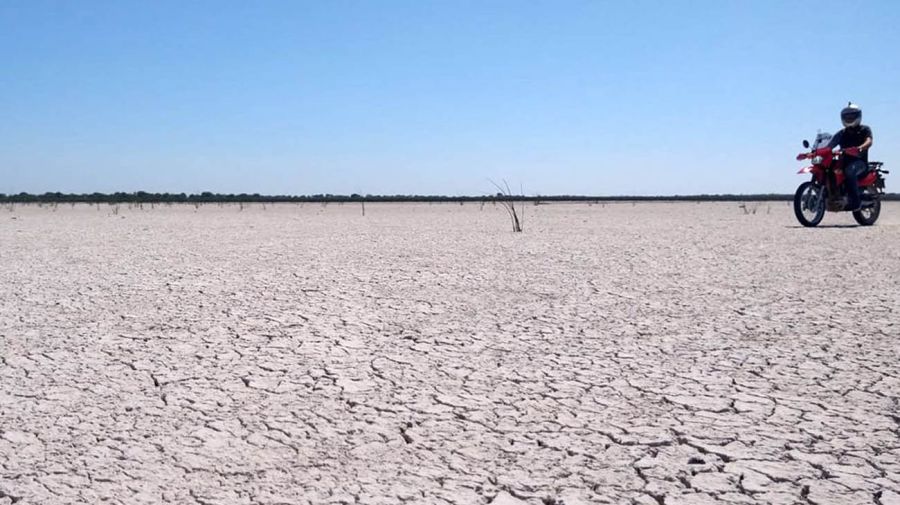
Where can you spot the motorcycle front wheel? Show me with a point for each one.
(868, 215)
(809, 203)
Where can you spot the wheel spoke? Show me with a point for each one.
(809, 204)
(812, 201)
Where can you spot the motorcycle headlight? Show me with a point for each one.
(817, 160)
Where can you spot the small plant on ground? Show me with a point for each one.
(749, 209)
(506, 198)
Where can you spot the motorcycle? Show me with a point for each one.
(825, 190)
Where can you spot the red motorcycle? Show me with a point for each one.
(825, 191)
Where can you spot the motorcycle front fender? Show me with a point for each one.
(806, 170)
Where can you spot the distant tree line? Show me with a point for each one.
(208, 197)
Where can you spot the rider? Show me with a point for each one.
(856, 135)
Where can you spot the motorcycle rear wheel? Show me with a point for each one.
(868, 215)
(809, 203)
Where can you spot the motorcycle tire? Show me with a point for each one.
(799, 204)
(868, 216)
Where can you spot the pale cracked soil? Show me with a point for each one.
(637, 354)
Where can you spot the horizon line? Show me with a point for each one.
(210, 197)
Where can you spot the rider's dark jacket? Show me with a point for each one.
(852, 137)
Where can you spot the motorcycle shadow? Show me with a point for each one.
(795, 226)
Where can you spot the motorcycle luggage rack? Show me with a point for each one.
(876, 166)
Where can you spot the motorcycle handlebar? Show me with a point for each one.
(852, 151)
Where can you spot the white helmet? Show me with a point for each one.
(851, 115)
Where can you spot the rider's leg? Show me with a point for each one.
(852, 172)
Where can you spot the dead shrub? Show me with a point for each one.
(506, 199)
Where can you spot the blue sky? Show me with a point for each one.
(435, 97)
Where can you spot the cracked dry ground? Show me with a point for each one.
(637, 354)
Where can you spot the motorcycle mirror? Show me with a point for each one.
(806, 144)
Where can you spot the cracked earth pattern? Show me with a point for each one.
(641, 354)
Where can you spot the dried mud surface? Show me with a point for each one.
(640, 354)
